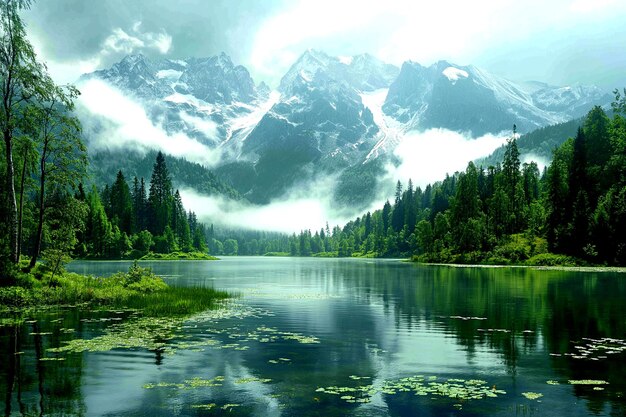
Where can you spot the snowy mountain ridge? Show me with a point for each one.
(329, 115)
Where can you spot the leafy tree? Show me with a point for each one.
(62, 154)
(143, 241)
(66, 220)
(23, 80)
(231, 247)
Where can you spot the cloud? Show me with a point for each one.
(587, 6)
(115, 121)
(541, 162)
(428, 156)
(122, 42)
(118, 43)
(307, 205)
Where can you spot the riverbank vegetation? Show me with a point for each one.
(139, 289)
(46, 214)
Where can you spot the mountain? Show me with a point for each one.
(469, 99)
(319, 125)
(209, 99)
(330, 117)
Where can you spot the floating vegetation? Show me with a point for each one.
(494, 330)
(208, 406)
(229, 407)
(192, 383)
(596, 349)
(146, 332)
(163, 385)
(252, 379)
(49, 359)
(466, 318)
(460, 389)
(551, 382)
(164, 333)
(532, 395)
(587, 382)
(263, 334)
(598, 389)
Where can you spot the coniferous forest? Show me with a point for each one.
(574, 212)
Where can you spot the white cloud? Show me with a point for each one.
(282, 216)
(205, 126)
(428, 156)
(119, 122)
(118, 42)
(424, 31)
(123, 42)
(587, 6)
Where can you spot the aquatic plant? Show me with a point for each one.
(460, 389)
(532, 395)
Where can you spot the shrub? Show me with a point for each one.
(15, 297)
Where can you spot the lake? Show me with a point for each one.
(332, 337)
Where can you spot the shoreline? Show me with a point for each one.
(614, 269)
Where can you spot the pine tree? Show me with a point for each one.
(160, 199)
(121, 204)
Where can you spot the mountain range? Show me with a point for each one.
(330, 116)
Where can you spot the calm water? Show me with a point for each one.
(305, 324)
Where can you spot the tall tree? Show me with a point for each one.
(62, 155)
(20, 78)
(160, 197)
(26, 150)
(121, 204)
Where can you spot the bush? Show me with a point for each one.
(15, 297)
(551, 259)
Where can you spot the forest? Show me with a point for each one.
(574, 212)
(571, 213)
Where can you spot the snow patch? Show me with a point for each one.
(453, 74)
(179, 98)
(169, 74)
(390, 129)
(346, 60)
(305, 76)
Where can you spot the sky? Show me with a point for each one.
(560, 42)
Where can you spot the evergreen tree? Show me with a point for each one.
(121, 204)
(160, 199)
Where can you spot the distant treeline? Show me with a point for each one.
(572, 212)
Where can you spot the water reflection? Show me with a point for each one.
(381, 320)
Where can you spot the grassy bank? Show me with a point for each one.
(176, 256)
(153, 256)
(139, 288)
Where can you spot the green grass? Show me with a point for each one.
(139, 288)
(277, 254)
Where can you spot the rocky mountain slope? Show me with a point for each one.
(330, 116)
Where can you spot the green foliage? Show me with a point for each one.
(138, 288)
(15, 297)
(551, 259)
(173, 256)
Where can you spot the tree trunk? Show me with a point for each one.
(21, 206)
(39, 236)
(11, 202)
